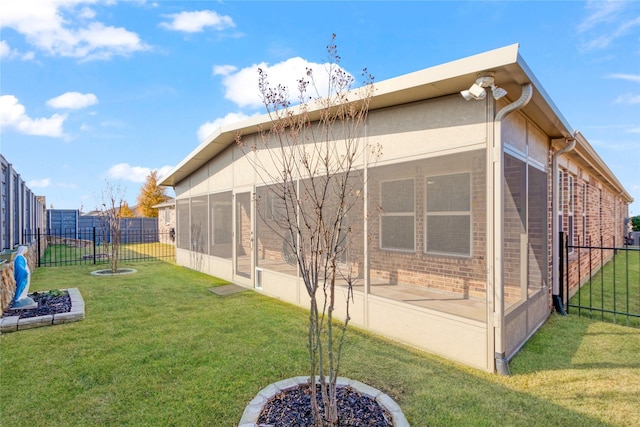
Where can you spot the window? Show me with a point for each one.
(599, 214)
(560, 207)
(449, 214)
(584, 214)
(570, 209)
(397, 221)
(275, 208)
(167, 216)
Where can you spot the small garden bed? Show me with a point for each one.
(49, 303)
(54, 307)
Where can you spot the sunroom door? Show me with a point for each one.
(244, 263)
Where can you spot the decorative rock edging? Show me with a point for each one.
(14, 323)
(254, 408)
(108, 272)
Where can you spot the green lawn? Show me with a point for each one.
(68, 255)
(158, 349)
(615, 288)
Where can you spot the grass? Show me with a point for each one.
(616, 287)
(157, 348)
(68, 255)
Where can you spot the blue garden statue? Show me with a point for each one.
(23, 279)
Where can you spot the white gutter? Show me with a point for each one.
(495, 228)
(555, 227)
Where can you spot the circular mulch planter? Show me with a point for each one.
(118, 272)
(254, 409)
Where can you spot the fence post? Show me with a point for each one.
(94, 245)
(38, 243)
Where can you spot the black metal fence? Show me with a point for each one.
(608, 280)
(95, 246)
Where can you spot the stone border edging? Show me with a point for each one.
(14, 323)
(254, 408)
(107, 272)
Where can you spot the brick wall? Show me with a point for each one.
(602, 224)
(465, 275)
(164, 225)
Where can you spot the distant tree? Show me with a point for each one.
(150, 195)
(635, 223)
(125, 211)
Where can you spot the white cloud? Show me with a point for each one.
(209, 127)
(7, 53)
(628, 98)
(599, 13)
(605, 22)
(5, 50)
(138, 174)
(39, 183)
(223, 70)
(13, 115)
(195, 22)
(241, 86)
(630, 77)
(60, 29)
(87, 13)
(73, 100)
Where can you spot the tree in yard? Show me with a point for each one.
(635, 223)
(150, 195)
(125, 211)
(110, 210)
(309, 159)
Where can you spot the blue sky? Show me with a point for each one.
(109, 90)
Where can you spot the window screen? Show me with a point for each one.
(448, 211)
(397, 222)
(182, 222)
(221, 217)
(199, 226)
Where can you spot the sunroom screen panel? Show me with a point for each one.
(221, 219)
(199, 224)
(182, 223)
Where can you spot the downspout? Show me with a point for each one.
(555, 228)
(501, 362)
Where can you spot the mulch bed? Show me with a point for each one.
(292, 408)
(47, 304)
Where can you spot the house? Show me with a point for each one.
(462, 259)
(166, 221)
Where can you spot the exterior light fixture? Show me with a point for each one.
(478, 90)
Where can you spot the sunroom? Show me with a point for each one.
(449, 240)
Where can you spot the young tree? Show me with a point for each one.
(150, 195)
(110, 208)
(310, 160)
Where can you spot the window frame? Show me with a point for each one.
(396, 214)
(468, 213)
(584, 213)
(571, 226)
